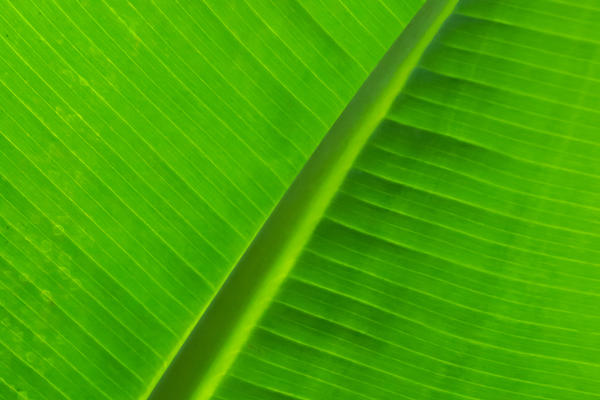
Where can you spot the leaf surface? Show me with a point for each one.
(143, 145)
(459, 259)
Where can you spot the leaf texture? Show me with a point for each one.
(143, 144)
(459, 260)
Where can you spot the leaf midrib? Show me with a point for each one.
(204, 357)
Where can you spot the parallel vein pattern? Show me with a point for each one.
(142, 146)
(460, 258)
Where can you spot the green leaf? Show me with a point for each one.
(444, 246)
(143, 146)
(459, 259)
